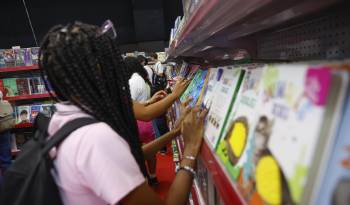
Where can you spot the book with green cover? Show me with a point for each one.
(10, 86)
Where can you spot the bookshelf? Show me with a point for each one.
(270, 31)
(28, 97)
(18, 68)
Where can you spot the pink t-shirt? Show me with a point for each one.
(94, 165)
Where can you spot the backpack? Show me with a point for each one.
(29, 180)
(158, 82)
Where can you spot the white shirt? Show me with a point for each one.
(139, 89)
(159, 68)
(150, 72)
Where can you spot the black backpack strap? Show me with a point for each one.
(64, 132)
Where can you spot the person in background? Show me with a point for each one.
(140, 89)
(5, 149)
(159, 83)
(144, 62)
(104, 163)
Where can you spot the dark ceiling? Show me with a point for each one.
(140, 24)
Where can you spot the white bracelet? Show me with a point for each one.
(190, 158)
(188, 169)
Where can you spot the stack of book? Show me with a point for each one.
(22, 86)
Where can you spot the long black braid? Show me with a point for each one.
(134, 66)
(86, 68)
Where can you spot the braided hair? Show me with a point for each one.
(86, 68)
(134, 66)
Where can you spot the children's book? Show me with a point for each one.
(224, 96)
(35, 85)
(2, 88)
(10, 85)
(23, 86)
(34, 111)
(35, 53)
(27, 56)
(23, 114)
(237, 135)
(335, 188)
(278, 154)
(2, 59)
(213, 79)
(9, 57)
(195, 87)
(47, 109)
(19, 56)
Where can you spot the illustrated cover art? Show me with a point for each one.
(23, 114)
(35, 85)
(194, 88)
(213, 79)
(23, 86)
(237, 135)
(223, 99)
(19, 56)
(2, 58)
(273, 164)
(9, 57)
(35, 53)
(34, 111)
(27, 56)
(10, 85)
(47, 109)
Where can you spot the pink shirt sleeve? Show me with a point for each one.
(106, 165)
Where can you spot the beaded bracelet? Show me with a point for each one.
(188, 169)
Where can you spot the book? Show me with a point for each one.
(223, 99)
(237, 135)
(275, 164)
(27, 56)
(23, 114)
(36, 85)
(213, 79)
(194, 88)
(10, 85)
(2, 59)
(335, 186)
(35, 55)
(47, 109)
(2, 88)
(9, 57)
(23, 86)
(34, 111)
(19, 56)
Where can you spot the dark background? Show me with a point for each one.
(142, 25)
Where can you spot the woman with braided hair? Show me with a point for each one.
(104, 163)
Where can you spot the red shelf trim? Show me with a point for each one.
(24, 125)
(27, 97)
(222, 182)
(18, 68)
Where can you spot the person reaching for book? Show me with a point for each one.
(104, 163)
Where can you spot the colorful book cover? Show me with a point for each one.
(10, 86)
(194, 88)
(224, 97)
(34, 111)
(19, 56)
(213, 79)
(335, 186)
(202, 92)
(2, 88)
(22, 86)
(23, 114)
(27, 56)
(35, 54)
(9, 57)
(237, 135)
(2, 58)
(47, 109)
(282, 141)
(35, 85)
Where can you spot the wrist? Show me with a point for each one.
(191, 151)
